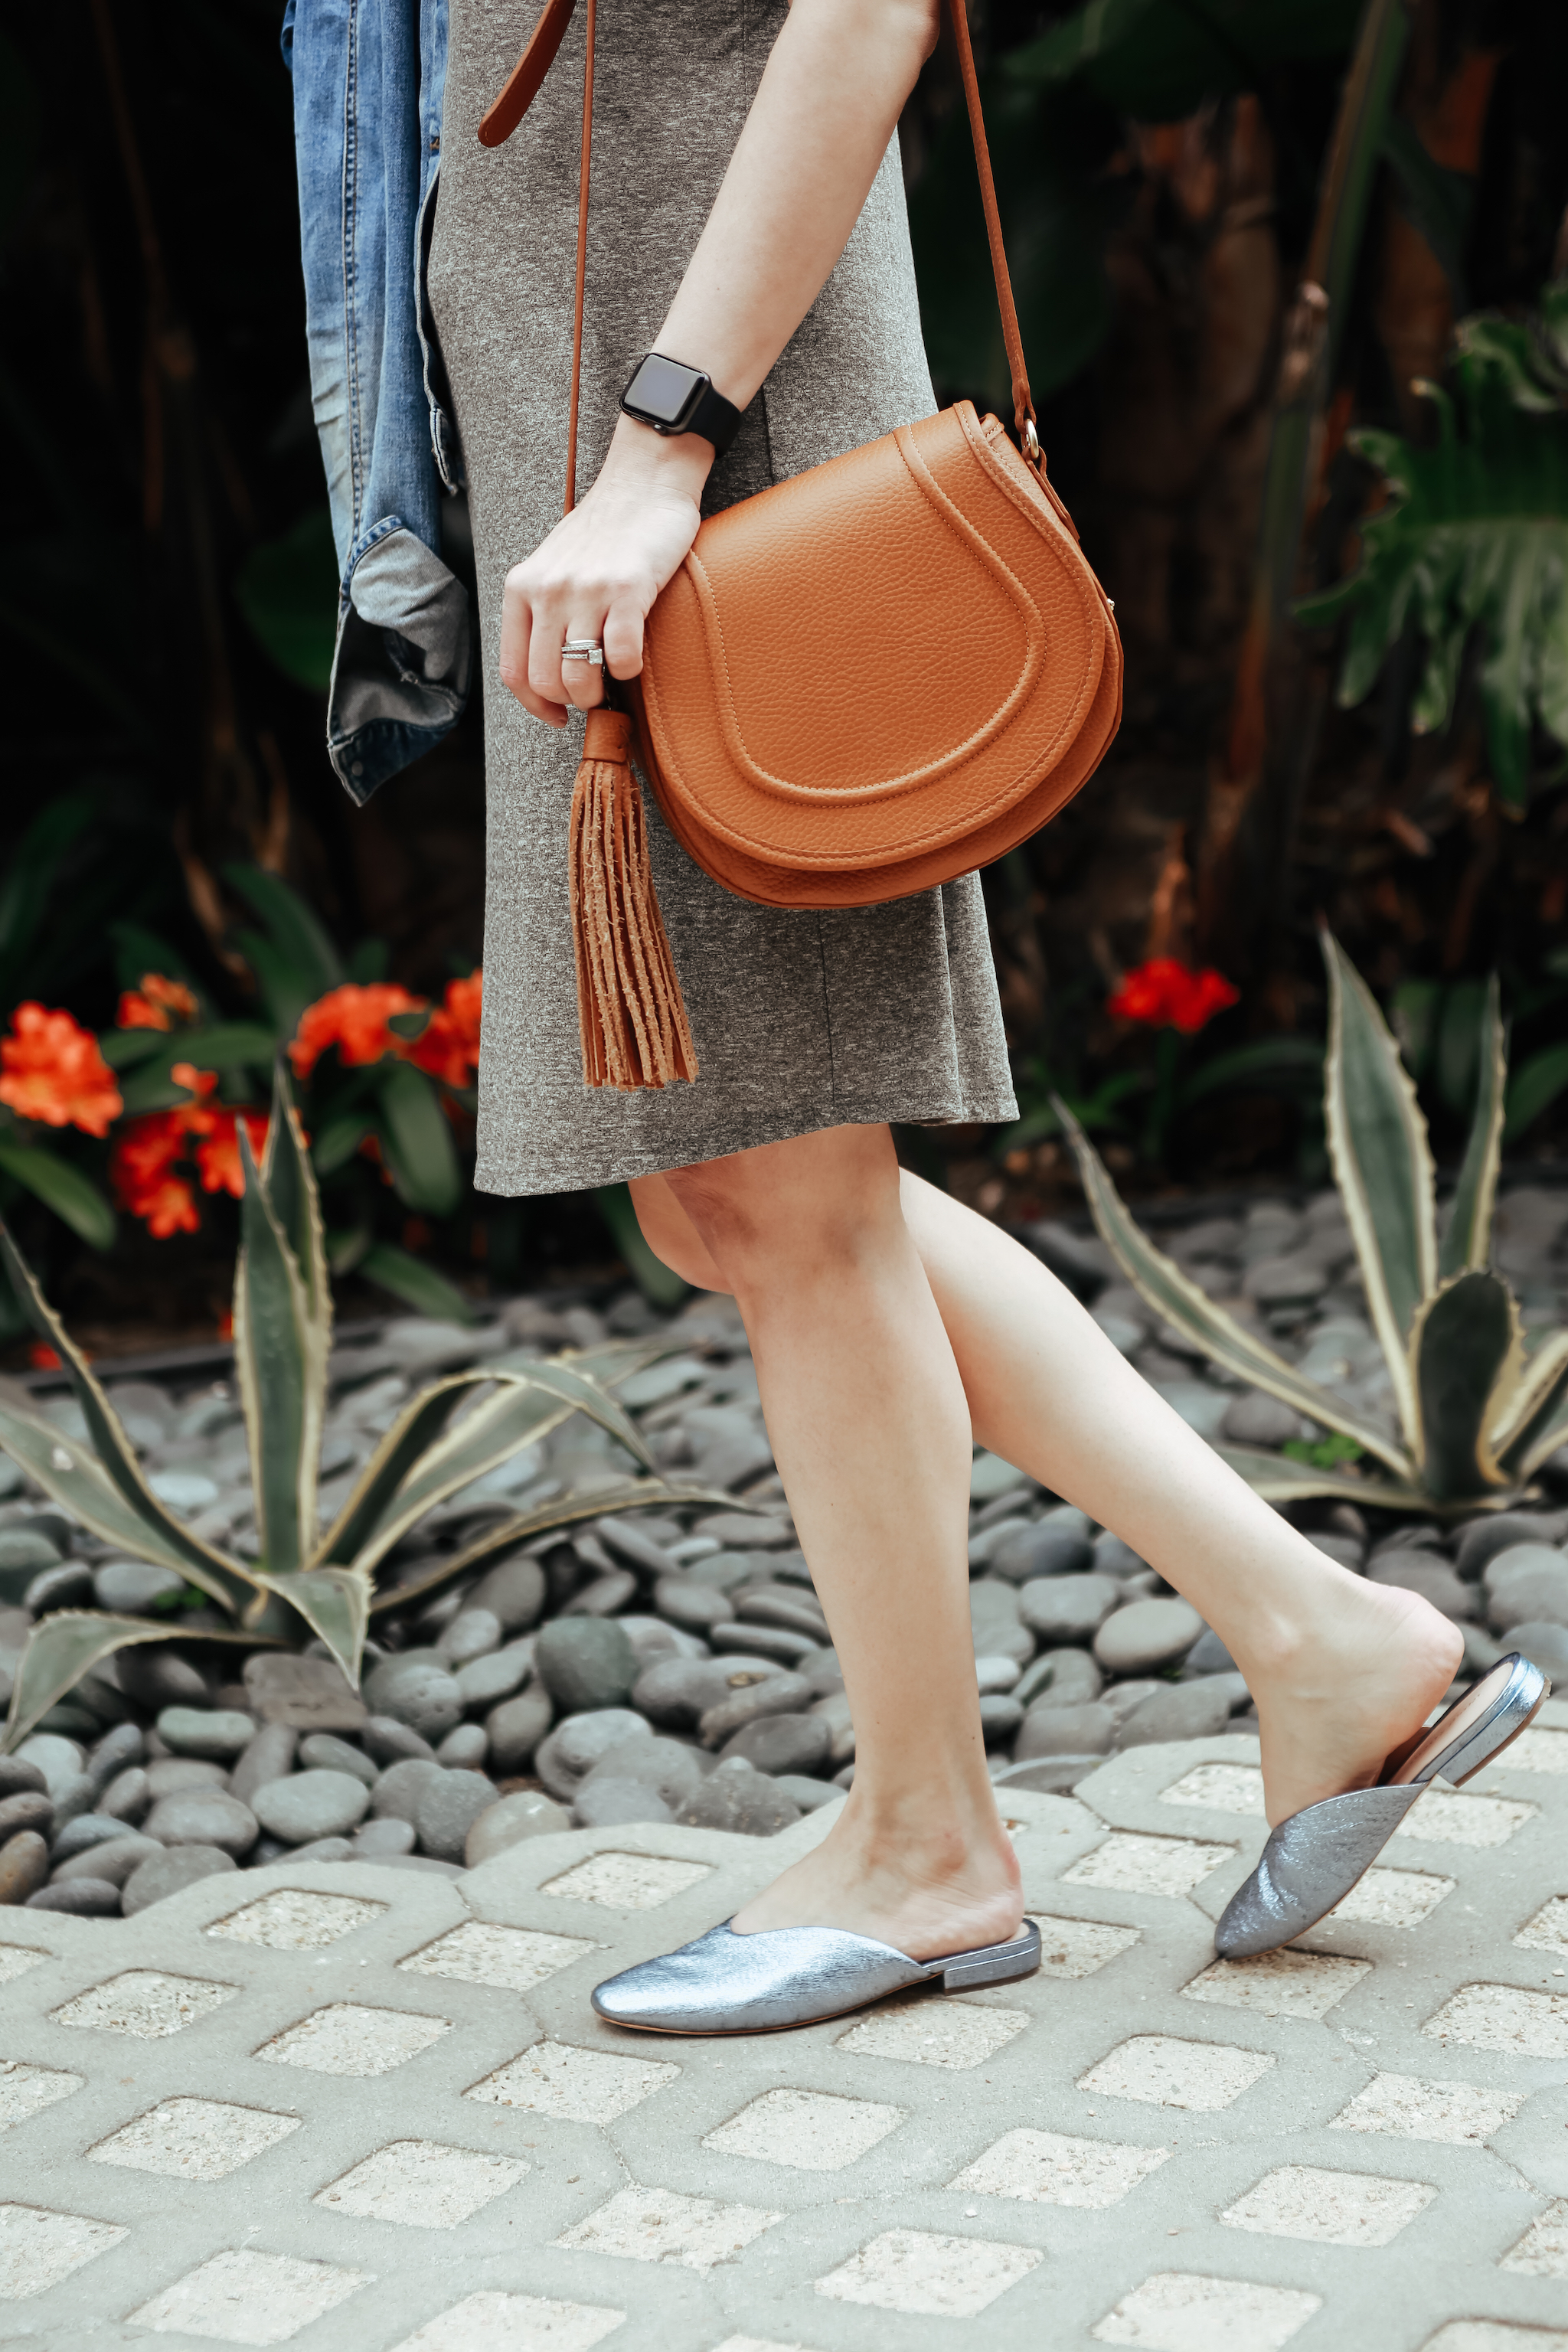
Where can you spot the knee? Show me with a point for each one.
(671, 1235)
(804, 1219)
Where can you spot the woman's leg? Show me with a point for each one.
(870, 1430)
(1342, 1669)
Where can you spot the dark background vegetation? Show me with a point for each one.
(166, 490)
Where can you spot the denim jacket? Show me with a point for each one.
(368, 79)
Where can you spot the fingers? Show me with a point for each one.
(519, 630)
(585, 680)
(623, 637)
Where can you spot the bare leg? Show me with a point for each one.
(870, 1430)
(1342, 1670)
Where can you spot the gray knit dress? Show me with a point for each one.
(802, 1021)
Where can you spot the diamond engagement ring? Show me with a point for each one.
(584, 649)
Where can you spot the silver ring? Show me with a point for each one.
(584, 649)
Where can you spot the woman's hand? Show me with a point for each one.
(597, 574)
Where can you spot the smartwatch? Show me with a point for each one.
(673, 398)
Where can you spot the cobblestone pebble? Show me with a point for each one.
(485, 1681)
(1065, 1609)
(1345, 1550)
(269, 1756)
(204, 1817)
(606, 1803)
(992, 1675)
(574, 1747)
(1086, 1730)
(1256, 1418)
(326, 1849)
(515, 1591)
(387, 1741)
(1208, 1655)
(165, 1873)
(323, 1752)
(67, 1586)
(307, 1805)
(59, 1760)
(416, 1689)
(1145, 1635)
(1544, 1645)
(389, 1835)
(1000, 1716)
(79, 1836)
(133, 1588)
(677, 1692)
(1194, 1710)
(1483, 1540)
(666, 1766)
(472, 1633)
(652, 1637)
(528, 1813)
(1114, 1557)
(1041, 1549)
(396, 1793)
(310, 1693)
(446, 1809)
(24, 1550)
(127, 1797)
(778, 1693)
(604, 1597)
(121, 1746)
(217, 1734)
(995, 1623)
(1065, 1677)
(29, 1808)
(1528, 1584)
(157, 1677)
(784, 1743)
(515, 1728)
(737, 1797)
(1123, 1697)
(24, 1866)
(88, 1898)
(809, 1795)
(692, 1604)
(114, 1860)
(167, 1776)
(584, 1663)
(465, 1749)
(18, 1774)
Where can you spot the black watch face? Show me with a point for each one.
(664, 392)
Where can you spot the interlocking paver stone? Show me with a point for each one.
(1448, 1817)
(416, 2136)
(1340, 2208)
(1173, 2312)
(247, 2297)
(580, 2086)
(194, 2139)
(1408, 2108)
(513, 2322)
(627, 1882)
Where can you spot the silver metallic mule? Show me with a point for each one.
(1312, 1860)
(726, 1983)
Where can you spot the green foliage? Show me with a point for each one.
(1478, 1416)
(1472, 547)
(304, 1584)
(287, 591)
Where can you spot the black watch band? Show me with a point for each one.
(674, 398)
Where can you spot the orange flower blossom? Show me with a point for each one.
(147, 1151)
(1165, 995)
(355, 1020)
(158, 1003)
(51, 1070)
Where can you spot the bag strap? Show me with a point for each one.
(522, 85)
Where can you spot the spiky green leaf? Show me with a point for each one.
(336, 1605)
(637, 1495)
(109, 1455)
(1465, 1357)
(416, 1282)
(525, 1405)
(1533, 1421)
(415, 1431)
(1382, 1166)
(1468, 1240)
(1207, 1325)
(272, 1359)
(62, 1648)
(1279, 1480)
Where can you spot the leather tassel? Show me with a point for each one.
(630, 1006)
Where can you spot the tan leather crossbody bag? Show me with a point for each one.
(984, 683)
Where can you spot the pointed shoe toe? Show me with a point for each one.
(726, 1983)
(1309, 1863)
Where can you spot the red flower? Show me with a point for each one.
(449, 1047)
(218, 1155)
(147, 1151)
(1165, 995)
(157, 1004)
(51, 1070)
(354, 1020)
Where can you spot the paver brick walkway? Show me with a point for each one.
(359, 2107)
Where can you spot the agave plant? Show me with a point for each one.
(1476, 1415)
(305, 1582)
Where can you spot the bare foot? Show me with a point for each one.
(924, 1893)
(1335, 1697)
